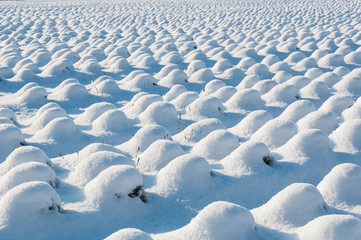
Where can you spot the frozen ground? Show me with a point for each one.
(180, 120)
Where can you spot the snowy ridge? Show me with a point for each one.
(180, 120)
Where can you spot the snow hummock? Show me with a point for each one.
(251, 123)
(145, 137)
(23, 155)
(333, 226)
(275, 132)
(249, 158)
(216, 145)
(129, 234)
(346, 137)
(294, 206)
(89, 167)
(27, 172)
(218, 220)
(27, 202)
(115, 182)
(184, 173)
(158, 155)
(340, 185)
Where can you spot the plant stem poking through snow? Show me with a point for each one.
(138, 192)
(268, 160)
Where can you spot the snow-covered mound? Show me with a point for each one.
(27, 202)
(27, 172)
(115, 182)
(341, 184)
(249, 158)
(24, 154)
(334, 226)
(129, 234)
(184, 173)
(218, 220)
(275, 132)
(346, 137)
(251, 123)
(158, 155)
(199, 130)
(111, 121)
(294, 206)
(93, 112)
(216, 145)
(145, 137)
(91, 166)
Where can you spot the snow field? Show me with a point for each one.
(180, 120)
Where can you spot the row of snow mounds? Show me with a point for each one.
(105, 173)
(27, 189)
(149, 106)
(186, 101)
(102, 186)
(51, 126)
(58, 56)
(219, 219)
(265, 53)
(11, 136)
(299, 210)
(325, 227)
(171, 177)
(293, 141)
(302, 112)
(31, 94)
(28, 182)
(250, 94)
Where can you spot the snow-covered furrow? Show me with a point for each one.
(180, 119)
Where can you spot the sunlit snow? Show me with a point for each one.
(189, 120)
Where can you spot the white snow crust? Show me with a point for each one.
(180, 119)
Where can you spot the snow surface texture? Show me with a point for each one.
(209, 119)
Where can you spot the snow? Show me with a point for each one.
(176, 76)
(294, 206)
(325, 121)
(297, 110)
(334, 226)
(114, 182)
(340, 184)
(198, 130)
(93, 112)
(129, 234)
(113, 120)
(180, 119)
(346, 137)
(216, 145)
(25, 202)
(249, 158)
(46, 116)
(158, 155)
(300, 148)
(184, 99)
(247, 99)
(145, 137)
(201, 76)
(275, 132)
(251, 123)
(27, 172)
(161, 113)
(89, 167)
(218, 220)
(205, 107)
(185, 173)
